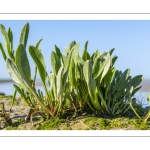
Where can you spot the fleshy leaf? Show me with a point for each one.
(39, 61)
(13, 72)
(22, 63)
(24, 35)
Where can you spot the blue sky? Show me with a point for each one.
(131, 40)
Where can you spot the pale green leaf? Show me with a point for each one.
(39, 61)
(13, 71)
(22, 63)
(24, 35)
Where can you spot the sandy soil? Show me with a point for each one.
(19, 110)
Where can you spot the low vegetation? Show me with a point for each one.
(76, 85)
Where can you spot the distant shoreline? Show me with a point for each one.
(6, 81)
(145, 84)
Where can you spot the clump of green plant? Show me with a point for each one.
(19, 69)
(89, 83)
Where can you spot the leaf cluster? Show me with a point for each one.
(87, 83)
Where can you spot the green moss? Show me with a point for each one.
(11, 128)
(128, 123)
(139, 124)
(103, 124)
(91, 122)
(50, 124)
(118, 123)
(90, 119)
(97, 123)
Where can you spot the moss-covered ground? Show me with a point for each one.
(81, 123)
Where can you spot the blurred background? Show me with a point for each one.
(130, 38)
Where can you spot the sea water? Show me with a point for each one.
(8, 89)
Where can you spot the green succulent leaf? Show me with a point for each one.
(135, 90)
(55, 62)
(95, 55)
(78, 72)
(113, 60)
(59, 81)
(3, 52)
(122, 80)
(39, 61)
(64, 59)
(111, 51)
(68, 49)
(57, 51)
(35, 69)
(53, 84)
(109, 78)
(24, 35)
(85, 54)
(105, 66)
(136, 80)
(87, 71)
(6, 38)
(67, 60)
(22, 64)
(13, 71)
(72, 74)
(101, 68)
(71, 45)
(64, 79)
(75, 52)
(96, 66)
(10, 36)
(7, 42)
(38, 44)
(131, 90)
